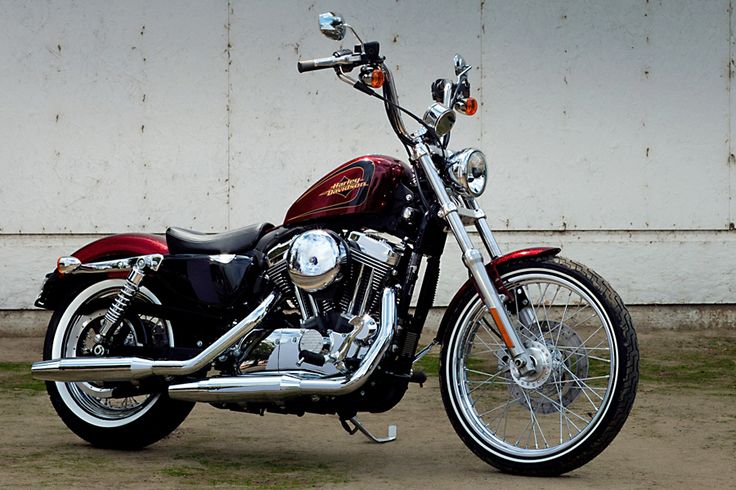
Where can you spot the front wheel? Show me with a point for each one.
(571, 408)
(95, 412)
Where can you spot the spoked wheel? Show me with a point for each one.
(571, 407)
(95, 412)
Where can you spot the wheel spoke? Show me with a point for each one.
(503, 405)
(491, 330)
(562, 381)
(536, 421)
(582, 344)
(562, 320)
(562, 407)
(582, 386)
(485, 381)
(490, 348)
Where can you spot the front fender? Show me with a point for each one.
(56, 286)
(492, 269)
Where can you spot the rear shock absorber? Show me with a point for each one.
(122, 301)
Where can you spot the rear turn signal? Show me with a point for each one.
(467, 106)
(65, 265)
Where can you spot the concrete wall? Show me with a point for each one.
(609, 125)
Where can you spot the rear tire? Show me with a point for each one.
(100, 420)
(568, 414)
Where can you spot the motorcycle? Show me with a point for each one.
(539, 360)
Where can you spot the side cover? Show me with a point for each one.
(125, 245)
(361, 186)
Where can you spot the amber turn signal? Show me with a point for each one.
(467, 106)
(377, 78)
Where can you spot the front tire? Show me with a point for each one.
(570, 410)
(90, 410)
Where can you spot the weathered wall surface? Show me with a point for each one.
(609, 125)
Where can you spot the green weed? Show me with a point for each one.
(15, 378)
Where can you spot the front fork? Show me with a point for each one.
(473, 259)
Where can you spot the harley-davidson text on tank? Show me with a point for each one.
(363, 185)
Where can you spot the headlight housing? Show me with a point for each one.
(468, 170)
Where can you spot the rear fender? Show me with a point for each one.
(493, 268)
(56, 286)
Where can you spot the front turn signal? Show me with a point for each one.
(468, 106)
(373, 77)
(377, 78)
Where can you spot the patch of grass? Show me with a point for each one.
(704, 362)
(249, 472)
(15, 378)
(179, 472)
(430, 364)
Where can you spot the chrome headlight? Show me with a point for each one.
(468, 171)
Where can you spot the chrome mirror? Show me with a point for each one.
(459, 63)
(332, 25)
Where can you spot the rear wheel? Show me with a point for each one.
(571, 408)
(117, 419)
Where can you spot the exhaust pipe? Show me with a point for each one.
(280, 385)
(130, 368)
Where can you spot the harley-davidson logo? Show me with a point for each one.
(344, 187)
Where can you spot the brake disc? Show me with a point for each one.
(566, 355)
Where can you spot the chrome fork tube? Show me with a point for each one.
(472, 258)
(481, 224)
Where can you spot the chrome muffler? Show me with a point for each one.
(279, 385)
(130, 368)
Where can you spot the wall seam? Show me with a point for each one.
(228, 118)
(730, 159)
(481, 71)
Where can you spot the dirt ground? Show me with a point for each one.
(681, 434)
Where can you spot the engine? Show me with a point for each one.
(323, 274)
(335, 283)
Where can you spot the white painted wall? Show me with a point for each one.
(608, 124)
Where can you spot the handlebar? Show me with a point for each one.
(348, 59)
(367, 54)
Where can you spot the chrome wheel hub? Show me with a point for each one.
(543, 362)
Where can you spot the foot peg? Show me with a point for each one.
(357, 426)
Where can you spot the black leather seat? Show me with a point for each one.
(181, 241)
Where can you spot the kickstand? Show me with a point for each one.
(359, 427)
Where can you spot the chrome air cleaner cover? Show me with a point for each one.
(314, 259)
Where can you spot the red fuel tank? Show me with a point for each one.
(364, 185)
